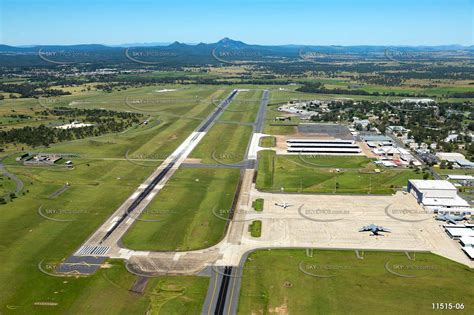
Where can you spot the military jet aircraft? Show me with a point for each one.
(448, 218)
(284, 205)
(375, 229)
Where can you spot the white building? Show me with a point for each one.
(327, 147)
(436, 195)
(417, 100)
(449, 156)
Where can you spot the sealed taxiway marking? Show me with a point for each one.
(213, 293)
(176, 257)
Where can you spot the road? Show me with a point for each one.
(18, 183)
(224, 288)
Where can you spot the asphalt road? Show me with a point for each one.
(18, 182)
(259, 123)
(224, 288)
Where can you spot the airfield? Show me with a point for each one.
(307, 224)
(323, 220)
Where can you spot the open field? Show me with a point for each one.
(107, 292)
(187, 104)
(6, 185)
(244, 107)
(189, 213)
(224, 143)
(318, 174)
(446, 171)
(337, 282)
(267, 142)
(101, 179)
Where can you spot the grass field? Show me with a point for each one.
(257, 205)
(107, 292)
(102, 178)
(446, 171)
(267, 142)
(318, 174)
(186, 209)
(7, 185)
(224, 143)
(244, 107)
(255, 228)
(336, 282)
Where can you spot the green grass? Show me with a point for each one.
(107, 292)
(267, 142)
(193, 102)
(224, 143)
(257, 205)
(255, 228)
(273, 279)
(101, 180)
(7, 185)
(446, 171)
(318, 174)
(177, 295)
(244, 107)
(191, 210)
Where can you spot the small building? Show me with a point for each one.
(398, 130)
(457, 233)
(469, 250)
(463, 163)
(467, 241)
(463, 180)
(449, 156)
(377, 138)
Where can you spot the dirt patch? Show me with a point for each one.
(192, 160)
(280, 310)
(139, 285)
(366, 150)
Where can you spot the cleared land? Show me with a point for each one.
(337, 282)
(189, 213)
(327, 174)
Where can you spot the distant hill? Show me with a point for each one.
(225, 50)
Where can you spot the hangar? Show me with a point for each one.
(323, 146)
(436, 195)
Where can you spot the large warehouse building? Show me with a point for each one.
(437, 195)
(319, 146)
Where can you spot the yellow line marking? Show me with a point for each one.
(231, 295)
(213, 293)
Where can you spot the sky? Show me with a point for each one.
(273, 22)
